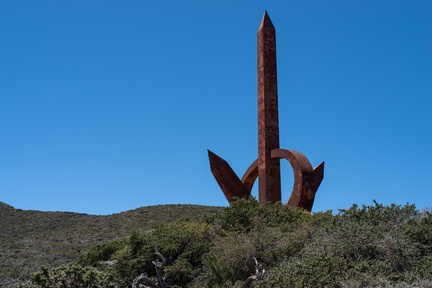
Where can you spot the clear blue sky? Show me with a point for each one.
(107, 106)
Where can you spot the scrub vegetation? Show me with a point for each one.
(367, 246)
(31, 239)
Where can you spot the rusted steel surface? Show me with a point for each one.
(250, 175)
(228, 181)
(269, 183)
(306, 179)
(267, 167)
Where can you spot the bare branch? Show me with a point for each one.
(144, 281)
(160, 256)
(159, 264)
(259, 275)
(249, 281)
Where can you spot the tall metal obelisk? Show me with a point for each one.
(269, 182)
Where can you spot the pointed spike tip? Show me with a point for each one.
(266, 21)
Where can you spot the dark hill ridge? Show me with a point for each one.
(29, 239)
(4, 206)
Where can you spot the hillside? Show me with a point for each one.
(368, 246)
(29, 239)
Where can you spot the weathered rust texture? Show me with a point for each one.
(306, 179)
(269, 183)
(267, 167)
(228, 181)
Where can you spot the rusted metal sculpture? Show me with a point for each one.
(267, 167)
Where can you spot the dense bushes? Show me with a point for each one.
(73, 276)
(371, 246)
(248, 215)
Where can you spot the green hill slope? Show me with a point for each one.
(30, 239)
(368, 246)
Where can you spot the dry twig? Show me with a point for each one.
(259, 275)
(159, 264)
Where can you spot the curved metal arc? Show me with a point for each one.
(296, 159)
(303, 184)
(306, 181)
(250, 176)
(306, 178)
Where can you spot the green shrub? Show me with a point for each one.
(181, 272)
(358, 237)
(71, 277)
(320, 271)
(179, 242)
(347, 240)
(231, 259)
(419, 231)
(386, 217)
(101, 252)
(189, 240)
(244, 215)
(423, 268)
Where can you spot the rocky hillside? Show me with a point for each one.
(30, 239)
